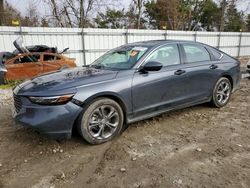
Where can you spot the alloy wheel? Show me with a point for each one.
(103, 122)
(223, 92)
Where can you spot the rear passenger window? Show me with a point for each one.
(50, 57)
(196, 53)
(217, 55)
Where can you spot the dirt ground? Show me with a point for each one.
(199, 146)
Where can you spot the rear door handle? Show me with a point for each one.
(179, 72)
(213, 66)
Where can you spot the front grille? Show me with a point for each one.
(17, 102)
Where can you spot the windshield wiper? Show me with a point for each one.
(98, 66)
(85, 66)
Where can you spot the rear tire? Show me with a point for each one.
(101, 121)
(221, 92)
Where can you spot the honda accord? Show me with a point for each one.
(130, 83)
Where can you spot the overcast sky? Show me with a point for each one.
(22, 5)
(43, 9)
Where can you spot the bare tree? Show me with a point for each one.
(56, 12)
(32, 18)
(1, 11)
(195, 10)
(223, 4)
(138, 7)
(85, 7)
(73, 13)
(174, 17)
(9, 14)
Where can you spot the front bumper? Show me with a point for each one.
(55, 121)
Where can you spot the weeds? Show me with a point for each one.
(10, 84)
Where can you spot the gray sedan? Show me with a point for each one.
(130, 83)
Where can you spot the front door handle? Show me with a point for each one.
(213, 66)
(179, 72)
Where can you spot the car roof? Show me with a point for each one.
(154, 43)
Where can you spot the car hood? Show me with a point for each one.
(63, 82)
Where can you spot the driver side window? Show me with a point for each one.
(27, 59)
(167, 55)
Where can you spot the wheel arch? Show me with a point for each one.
(109, 95)
(112, 96)
(230, 78)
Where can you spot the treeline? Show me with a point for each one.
(189, 15)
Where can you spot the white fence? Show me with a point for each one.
(88, 44)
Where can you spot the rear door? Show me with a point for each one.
(23, 67)
(201, 69)
(51, 62)
(160, 90)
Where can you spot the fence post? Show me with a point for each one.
(195, 36)
(166, 35)
(83, 47)
(20, 30)
(126, 36)
(218, 43)
(240, 36)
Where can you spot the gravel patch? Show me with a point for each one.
(5, 97)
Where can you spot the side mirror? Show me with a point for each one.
(151, 66)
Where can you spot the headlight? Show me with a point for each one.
(55, 100)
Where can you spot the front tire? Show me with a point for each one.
(101, 121)
(221, 92)
(1, 78)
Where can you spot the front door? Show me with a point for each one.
(23, 67)
(160, 90)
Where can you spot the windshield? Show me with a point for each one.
(122, 58)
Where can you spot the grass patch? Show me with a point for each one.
(10, 84)
(6, 86)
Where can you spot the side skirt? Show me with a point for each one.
(156, 113)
